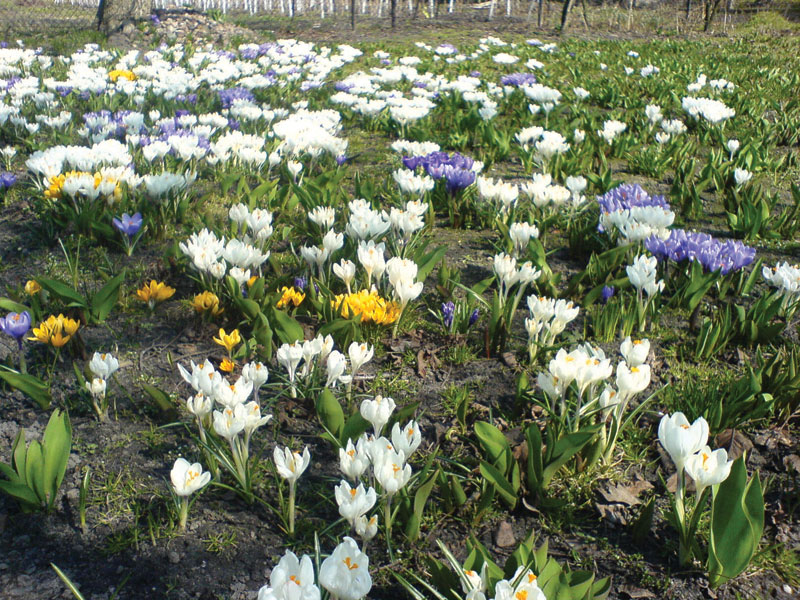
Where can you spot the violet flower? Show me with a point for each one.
(607, 292)
(127, 224)
(473, 318)
(16, 325)
(448, 312)
(7, 180)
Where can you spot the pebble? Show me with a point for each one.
(505, 535)
(174, 557)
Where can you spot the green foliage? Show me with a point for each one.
(37, 470)
(33, 387)
(737, 523)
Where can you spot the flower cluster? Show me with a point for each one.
(56, 331)
(370, 305)
(633, 215)
(457, 170)
(726, 256)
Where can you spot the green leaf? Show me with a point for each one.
(33, 387)
(71, 586)
(106, 298)
(500, 483)
(565, 448)
(428, 262)
(249, 308)
(63, 291)
(494, 444)
(162, 400)
(420, 498)
(287, 328)
(11, 306)
(737, 522)
(330, 413)
(57, 443)
(21, 492)
(34, 470)
(354, 427)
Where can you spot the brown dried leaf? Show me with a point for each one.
(735, 442)
(509, 360)
(634, 592)
(613, 513)
(792, 462)
(618, 494)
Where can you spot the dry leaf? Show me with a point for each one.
(735, 442)
(792, 462)
(509, 359)
(635, 592)
(613, 513)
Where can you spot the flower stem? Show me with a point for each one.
(291, 507)
(387, 519)
(184, 512)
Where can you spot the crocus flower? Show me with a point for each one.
(103, 365)
(448, 311)
(154, 292)
(680, 439)
(354, 502)
(378, 412)
(345, 573)
(708, 468)
(127, 224)
(187, 479)
(291, 579)
(634, 351)
(7, 180)
(16, 325)
(607, 293)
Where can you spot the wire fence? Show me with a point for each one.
(22, 17)
(41, 16)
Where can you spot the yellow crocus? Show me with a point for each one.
(227, 365)
(32, 287)
(207, 302)
(116, 74)
(228, 340)
(154, 292)
(56, 331)
(290, 296)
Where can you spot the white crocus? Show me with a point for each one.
(103, 365)
(378, 412)
(354, 502)
(707, 468)
(291, 579)
(354, 459)
(345, 573)
(346, 271)
(407, 439)
(634, 351)
(680, 439)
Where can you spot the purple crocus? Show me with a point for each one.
(341, 159)
(7, 180)
(473, 318)
(16, 325)
(457, 179)
(607, 292)
(448, 311)
(712, 254)
(518, 79)
(300, 282)
(127, 224)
